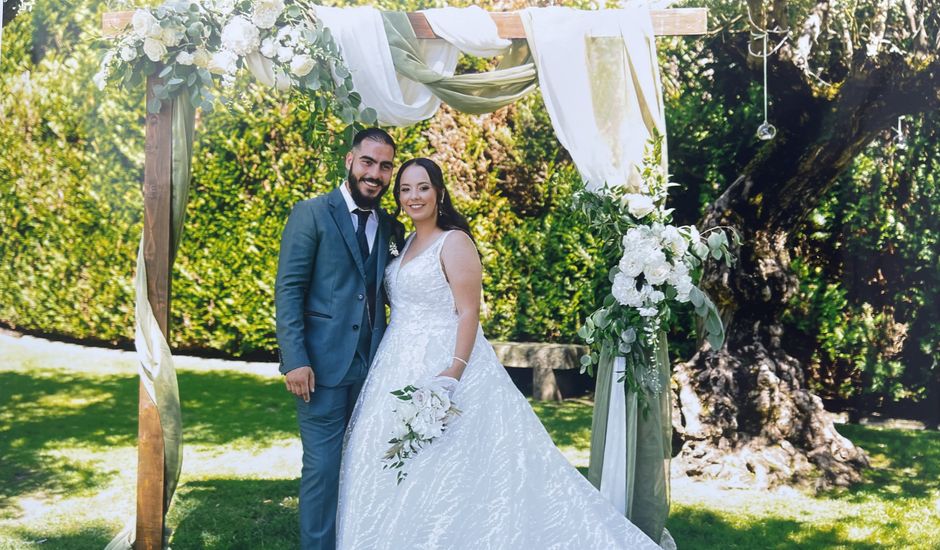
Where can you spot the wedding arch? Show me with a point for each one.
(599, 77)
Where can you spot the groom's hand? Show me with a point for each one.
(300, 382)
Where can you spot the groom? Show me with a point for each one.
(331, 317)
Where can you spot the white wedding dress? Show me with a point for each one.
(493, 480)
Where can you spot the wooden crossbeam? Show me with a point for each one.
(668, 22)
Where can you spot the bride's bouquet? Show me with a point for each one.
(422, 413)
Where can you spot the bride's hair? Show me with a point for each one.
(448, 217)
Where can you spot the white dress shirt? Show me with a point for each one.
(372, 223)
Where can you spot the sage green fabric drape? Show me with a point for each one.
(648, 438)
(155, 367)
(477, 93)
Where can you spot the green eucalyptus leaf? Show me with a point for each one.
(601, 319)
(154, 105)
(369, 116)
(697, 297)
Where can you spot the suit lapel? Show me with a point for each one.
(341, 215)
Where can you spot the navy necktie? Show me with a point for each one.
(361, 232)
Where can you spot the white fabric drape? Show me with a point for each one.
(471, 30)
(155, 367)
(600, 81)
(360, 34)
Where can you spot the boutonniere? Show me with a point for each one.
(393, 249)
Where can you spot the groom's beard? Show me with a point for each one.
(362, 201)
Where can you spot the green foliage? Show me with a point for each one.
(870, 278)
(70, 215)
(71, 208)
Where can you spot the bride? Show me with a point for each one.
(494, 479)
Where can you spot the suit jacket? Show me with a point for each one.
(320, 293)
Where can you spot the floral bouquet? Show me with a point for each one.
(193, 44)
(422, 414)
(657, 265)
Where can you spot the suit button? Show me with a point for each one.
(360, 296)
(355, 327)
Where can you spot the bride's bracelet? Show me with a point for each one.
(461, 360)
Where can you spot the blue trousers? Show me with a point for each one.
(322, 424)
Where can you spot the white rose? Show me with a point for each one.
(284, 54)
(405, 411)
(268, 47)
(128, 53)
(184, 58)
(639, 206)
(434, 429)
(154, 49)
(421, 426)
(649, 311)
(171, 36)
(674, 241)
(100, 79)
(622, 287)
(302, 65)
(240, 36)
(679, 270)
(224, 7)
(223, 62)
(421, 397)
(657, 272)
(295, 34)
(399, 430)
(201, 58)
(683, 286)
(631, 264)
(440, 400)
(266, 12)
(656, 296)
(145, 24)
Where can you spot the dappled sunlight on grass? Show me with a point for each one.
(227, 513)
(568, 422)
(68, 469)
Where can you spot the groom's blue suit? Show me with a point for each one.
(323, 321)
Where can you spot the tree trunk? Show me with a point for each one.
(744, 413)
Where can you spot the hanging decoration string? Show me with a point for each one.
(766, 131)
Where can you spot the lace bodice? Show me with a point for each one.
(419, 289)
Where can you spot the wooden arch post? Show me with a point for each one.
(151, 512)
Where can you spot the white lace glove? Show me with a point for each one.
(448, 383)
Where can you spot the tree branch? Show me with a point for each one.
(878, 27)
(809, 35)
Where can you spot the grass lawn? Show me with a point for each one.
(68, 462)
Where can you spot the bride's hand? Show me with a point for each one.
(448, 383)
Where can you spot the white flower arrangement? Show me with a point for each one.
(657, 265)
(192, 45)
(422, 414)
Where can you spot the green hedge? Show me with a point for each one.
(71, 207)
